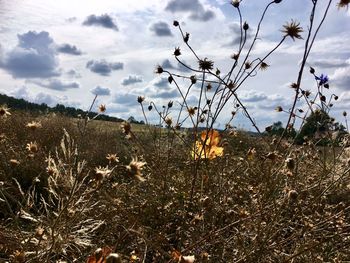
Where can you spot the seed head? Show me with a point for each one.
(112, 158)
(290, 163)
(344, 113)
(343, 3)
(177, 52)
(168, 121)
(235, 56)
(187, 37)
(34, 125)
(235, 3)
(4, 111)
(279, 109)
(140, 99)
(102, 108)
(32, 147)
(292, 194)
(159, 70)
(176, 23)
(248, 65)
(205, 64)
(135, 167)
(277, 1)
(312, 70)
(170, 104)
(245, 26)
(293, 30)
(113, 258)
(170, 79)
(150, 107)
(191, 111)
(193, 79)
(126, 127)
(264, 66)
(102, 172)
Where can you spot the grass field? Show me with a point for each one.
(62, 199)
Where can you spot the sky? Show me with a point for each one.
(69, 51)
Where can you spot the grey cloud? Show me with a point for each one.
(131, 79)
(161, 83)
(196, 9)
(169, 94)
(56, 84)
(166, 64)
(69, 49)
(161, 29)
(235, 28)
(126, 99)
(71, 19)
(341, 78)
(103, 67)
(253, 96)
(102, 21)
(329, 63)
(98, 90)
(73, 73)
(33, 57)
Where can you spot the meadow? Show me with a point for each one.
(84, 190)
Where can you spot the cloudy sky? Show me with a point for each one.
(67, 51)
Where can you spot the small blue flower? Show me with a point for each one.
(323, 79)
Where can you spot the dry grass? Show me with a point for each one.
(259, 207)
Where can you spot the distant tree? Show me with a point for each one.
(319, 125)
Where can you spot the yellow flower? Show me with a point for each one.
(207, 147)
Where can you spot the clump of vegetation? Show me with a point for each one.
(94, 192)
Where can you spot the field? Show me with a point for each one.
(68, 196)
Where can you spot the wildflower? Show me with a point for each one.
(32, 147)
(191, 111)
(34, 125)
(206, 64)
(207, 147)
(323, 79)
(264, 66)
(112, 158)
(293, 29)
(4, 111)
(343, 3)
(140, 99)
(102, 108)
(135, 167)
(102, 172)
(177, 52)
